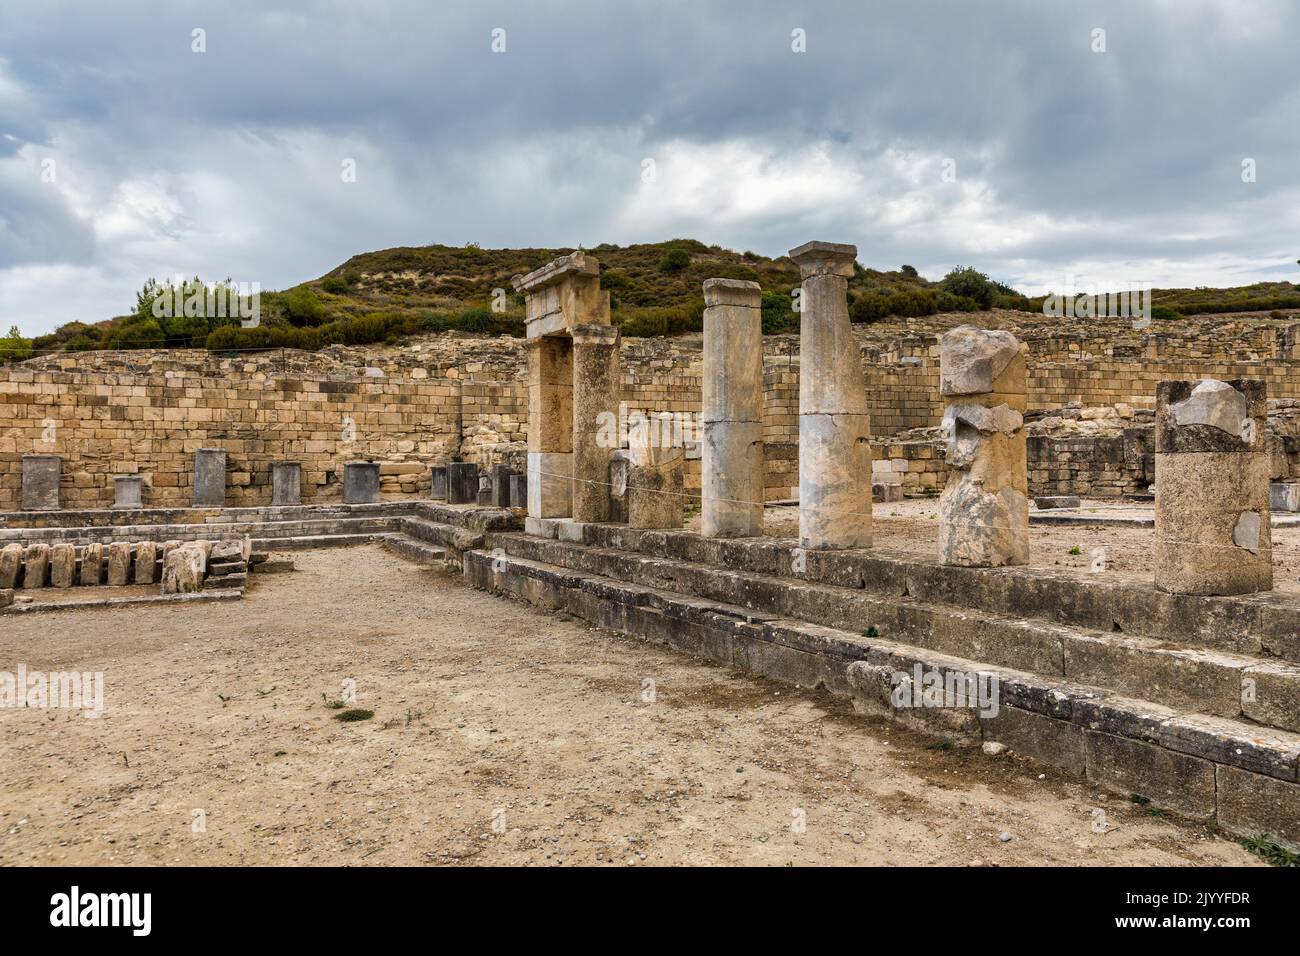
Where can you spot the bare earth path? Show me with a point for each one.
(487, 712)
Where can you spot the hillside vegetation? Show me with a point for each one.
(654, 290)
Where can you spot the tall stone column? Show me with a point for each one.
(1212, 474)
(834, 428)
(595, 397)
(550, 427)
(984, 508)
(731, 451)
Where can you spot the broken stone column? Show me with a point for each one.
(834, 427)
(63, 565)
(984, 508)
(654, 495)
(438, 483)
(595, 405)
(286, 484)
(210, 478)
(360, 482)
(119, 563)
(36, 565)
(11, 564)
(731, 417)
(146, 559)
(518, 491)
(41, 482)
(1212, 477)
(183, 569)
(462, 483)
(92, 565)
(128, 492)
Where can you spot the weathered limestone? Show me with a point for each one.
(501, 486)
(731, 419)
(183, 569)
(128, 492)
(11, 565)
(146, 558)
(518, 491)
(462, 483)
(360, 482)
(1212, 488)
(119, 564)
(595, 403)
(36, 564)
(984, 508)
(572, 377)
(654, 496)
(1284, 496)
(63, 565)
(41, 482)
(834, 427)
(210, 478)
(286, 483)
(438, 483)
(92, 565)
(6, 597)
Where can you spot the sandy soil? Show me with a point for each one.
(489, 712)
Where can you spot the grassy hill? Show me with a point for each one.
(654, 290)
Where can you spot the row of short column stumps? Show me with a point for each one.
(1212, 469)
(456, 483)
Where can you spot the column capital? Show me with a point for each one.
(595, 334)
(732, 292)
(819, 258)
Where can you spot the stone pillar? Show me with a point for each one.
(731, 417)
(41, 482)
(63, 565)
(92, 565)
(518, 491)
(210, 478)
(984, 508)
(128, 492)
(834, 428)
(286, 483)
(36, 565)
(462, 483)
(146, 562)
(11, 563)
(119, 563)
(1212, 476)
(654, 489)
(438, 483)
(550, 427)
(360, 482)
(596, 389)
(501, 486)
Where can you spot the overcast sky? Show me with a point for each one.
(124, 153)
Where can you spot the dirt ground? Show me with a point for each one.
(500, 735)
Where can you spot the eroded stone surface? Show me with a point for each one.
(1246, 533)
(183, 570)
(1216, 404)
(971, 360)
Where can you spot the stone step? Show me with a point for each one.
(1239, 775)
(1218, 683)
(309, 542)
(414, 550)
(1266, 625)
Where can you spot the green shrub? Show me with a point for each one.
(969, 282)
(947, 302)
(778, 314)
(1165, 313)
(477, 319)
(140, 334)
(232, 338)
(300, 307)
(15, 348)
(335, 284)
(674, 260)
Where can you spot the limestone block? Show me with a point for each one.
(438, 483)
(501, 486)
(6, 597)
(146, 557)
(36, 564)
(1284, 496)
(360, 482)
(972, 360)
(655, 497)
(183, 570)
(41, 482)
(11, 563)
(462, 483)
(128, 492)
(518, 491)
(731, 479)
(550, 485)
(92, 565)
(210, 478)
(1050, 502)
(63, 565)
(119, 564)
(286, 483)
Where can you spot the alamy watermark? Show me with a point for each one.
(191, 299)
(48, 690)
(946, 689)
(634, 428)
(1134, 302)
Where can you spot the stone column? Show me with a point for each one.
(128, 492)
(731, 417)
(11, 564)
(119, 563)
(984, 508)
(360, 482)
(834, 428)
(462, 483)
(92, 564)
(438, 483)
(210, 478)
(654, 488)
(550, 427)
(1212, 473)
(146, 562)
(63, 565)
(286, 483)
(36, 565)
(41, 482)
(595, 398)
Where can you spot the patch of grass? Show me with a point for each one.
(872, 631)
(1076, 550)
(355, 714)
(1140, 800)
(944, 744)
(1263, 845)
